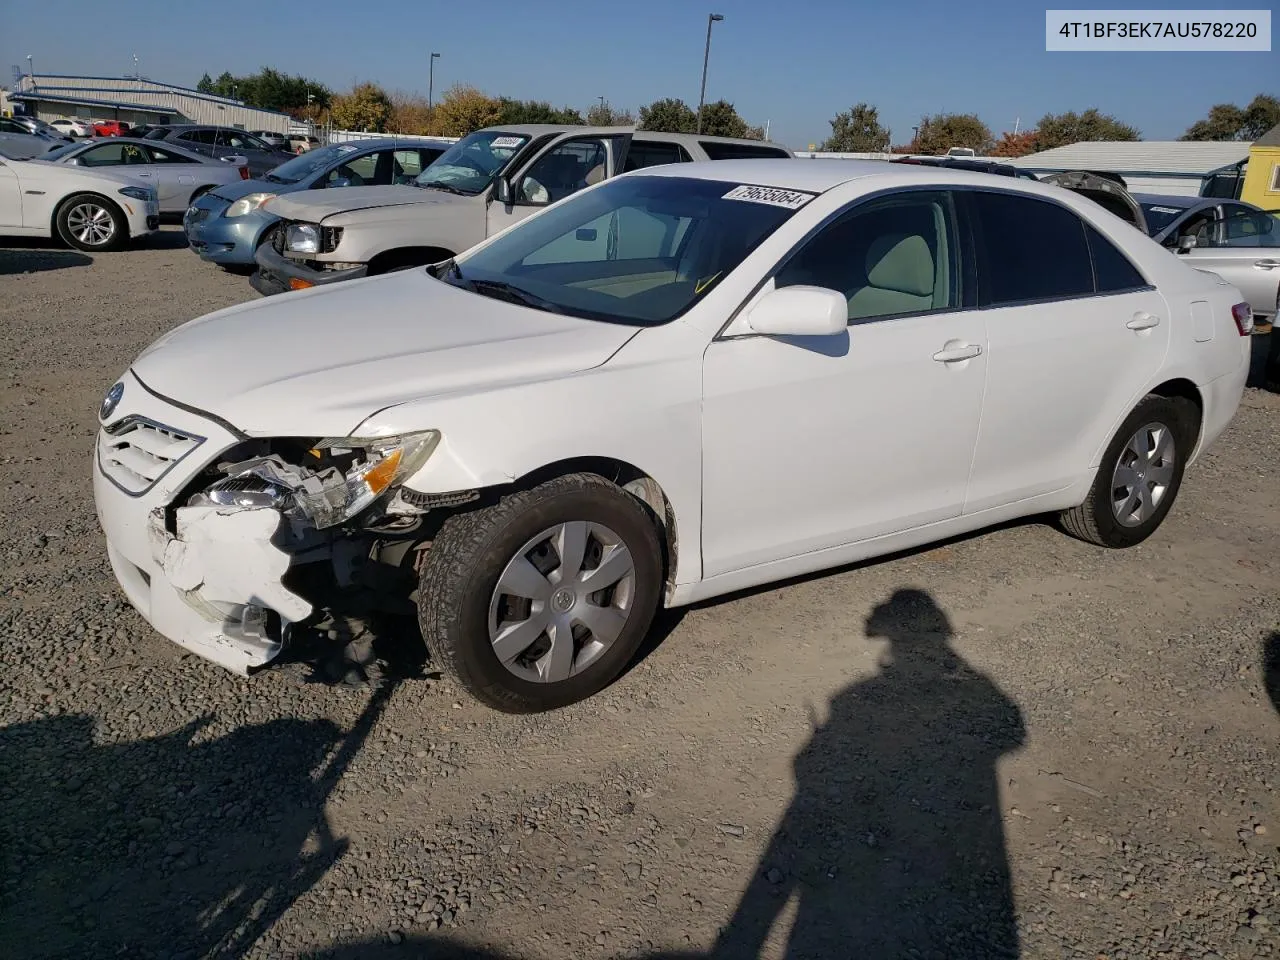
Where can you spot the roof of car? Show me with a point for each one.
(822, 174)
(534, 129)
(1174, 200)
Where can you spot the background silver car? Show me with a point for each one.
(179, 175)
(1244, 249)
(219, 142)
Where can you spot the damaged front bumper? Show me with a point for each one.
(277, 273)
(209, 578)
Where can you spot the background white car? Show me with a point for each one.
(674, 384)
(73, 128)
(86, 209)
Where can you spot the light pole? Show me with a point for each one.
(706, 55)
(431, 80)
(136, 74)
(31, 75)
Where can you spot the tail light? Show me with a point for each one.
(1242, 313)
(244, 173)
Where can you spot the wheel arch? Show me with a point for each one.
(631, 479)
(57, 209)
(1182, 388)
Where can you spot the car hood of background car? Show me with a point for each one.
(236, 189)
(319, 362)
(315, 205)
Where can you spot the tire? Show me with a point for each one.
(461, 605)
(97, 220)
(1164, 427)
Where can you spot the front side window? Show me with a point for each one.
(717, 150)
(359, 172)
(199, 136)
(1030, 249)
(1249, 228)
(887, 257)
(564, 170)
(638, 250)
(469, 166)
(240, 141)
(111, 155)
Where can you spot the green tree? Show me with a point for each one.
(206, 84)
(858, 130)
(603, 115)
(1226, 121)
(269, 89)
(366, 108)
(668, 116)
(535, 111)
(942, 131)
(1065, 128)
(720, 119)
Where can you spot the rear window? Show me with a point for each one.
(654, 154)
(740, 151)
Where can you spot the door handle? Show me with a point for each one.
(1143, 321)
(1266, 264)
(143, 174)
(965, 351)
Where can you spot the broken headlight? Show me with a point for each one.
(370, 467)
(302, 238)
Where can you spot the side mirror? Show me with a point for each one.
(340, 182)
(800, 312)
(1186, 243)
(74, 162)
(235, 159)
(502, 191)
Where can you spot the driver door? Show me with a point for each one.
(568, 164)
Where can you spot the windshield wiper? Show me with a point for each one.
(441, 186)
(501, 290)
(274, 179)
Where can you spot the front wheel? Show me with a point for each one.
(89, 222)
(1139, 476)
(542, 599)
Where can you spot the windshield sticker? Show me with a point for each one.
(505, 142)
(791, 199)
(703, 284)
(346, 148)
(1164, 209)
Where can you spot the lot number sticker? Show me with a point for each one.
(791, 199)
(505, 142)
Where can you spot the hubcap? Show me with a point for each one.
(561, 601)
(91, 224)
(1143, 474)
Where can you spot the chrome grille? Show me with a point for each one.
(135, 453)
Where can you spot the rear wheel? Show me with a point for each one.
(542, 599)
(89, 222)
(1139, 476)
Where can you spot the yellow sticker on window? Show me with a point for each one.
(703, 284)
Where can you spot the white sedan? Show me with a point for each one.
(88, 210)
(73, 128)
(678, 383)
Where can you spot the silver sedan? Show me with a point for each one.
(179, 175)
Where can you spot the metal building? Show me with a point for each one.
(135, 100)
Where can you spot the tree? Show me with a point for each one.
(269, 89)
(858, 130)
(603, 115)
(1016, 144)
(668, 116)
(366, 108)
(945, 130)
(206, 84)
(535, 111)
(1066, 128)
(1226, 121)
(409, 114)
(463, 110)
(720, 119)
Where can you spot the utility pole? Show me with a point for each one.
(31, 74)
(706, 55)
(431, 80)
(136, 74)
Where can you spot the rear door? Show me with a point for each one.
(176, 176)
(1244, 249)
(1076, 333)
(569, 163)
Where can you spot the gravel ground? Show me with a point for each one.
(1013, 744)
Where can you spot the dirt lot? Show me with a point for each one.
(1010, 745)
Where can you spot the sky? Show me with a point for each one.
(791, 65)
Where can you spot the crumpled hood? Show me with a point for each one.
(319, 362)
(314, 206)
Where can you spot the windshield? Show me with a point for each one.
(313, 161)
(1159, 216)
(637, 250)
(471, 164)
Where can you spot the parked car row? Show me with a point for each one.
(637, 384)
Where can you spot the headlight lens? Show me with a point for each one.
(139, 193)
(247, 204)
(380, 465)
(302, 238)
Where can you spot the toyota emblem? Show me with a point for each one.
(111, 401)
